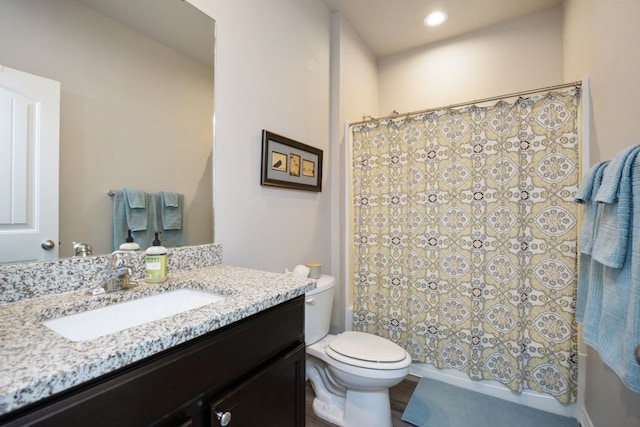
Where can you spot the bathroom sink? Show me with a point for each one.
(117, 317)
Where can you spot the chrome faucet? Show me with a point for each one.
(82, 249)
(118, 278)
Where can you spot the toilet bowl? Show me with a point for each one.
(350, 372)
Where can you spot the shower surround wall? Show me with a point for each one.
(465, 238)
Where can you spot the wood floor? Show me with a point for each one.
(399, 396)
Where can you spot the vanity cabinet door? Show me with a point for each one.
(274, 397)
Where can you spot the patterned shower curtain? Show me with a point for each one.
(465, 238)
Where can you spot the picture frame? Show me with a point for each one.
(290, 164)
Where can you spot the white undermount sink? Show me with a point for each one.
(117, 317)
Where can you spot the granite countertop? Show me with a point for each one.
(37, 362)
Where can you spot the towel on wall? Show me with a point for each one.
(611, 240)
(136, 209)
(138, 218)
(585, 195)
(170, 208)
(609, 190)
(608, 305)
(590, 296)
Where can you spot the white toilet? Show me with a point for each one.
(351, 372)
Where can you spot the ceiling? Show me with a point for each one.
(392, 26)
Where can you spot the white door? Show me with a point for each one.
(29, 156)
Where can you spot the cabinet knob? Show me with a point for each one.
(223, 417)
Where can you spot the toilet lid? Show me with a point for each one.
(369, 347)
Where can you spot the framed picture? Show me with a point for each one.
(290, 164)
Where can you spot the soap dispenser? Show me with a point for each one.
(156, 262)
(129, 244)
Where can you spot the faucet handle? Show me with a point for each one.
(120, 259)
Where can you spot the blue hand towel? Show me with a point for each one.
(171, 200)
(611, 242)
(589, 299)
(589, 291)
(118, 219)
(169, 216)
(171, 210)
(591, 179)
(610, 187)
(136, 209)
(586, 193)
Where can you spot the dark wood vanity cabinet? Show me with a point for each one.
(253, 369)
(273, 397)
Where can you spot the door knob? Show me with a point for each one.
(223, 417)
(47, 245)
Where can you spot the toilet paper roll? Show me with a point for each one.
(301, 271)
(314, 270)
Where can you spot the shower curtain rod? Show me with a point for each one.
(477, 101)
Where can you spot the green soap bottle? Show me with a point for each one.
(155, 260)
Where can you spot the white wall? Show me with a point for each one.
(272, 72)
(358, 76)
(601, 41)
(518, 55)
(354, 88)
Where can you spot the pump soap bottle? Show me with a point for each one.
(156, 263)
(129, 244)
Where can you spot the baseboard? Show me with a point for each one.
(584, 419)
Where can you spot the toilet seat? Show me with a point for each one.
(368, 347)
(367, 351)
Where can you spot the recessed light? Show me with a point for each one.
(435, 18)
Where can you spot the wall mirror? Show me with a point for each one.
(136, 104)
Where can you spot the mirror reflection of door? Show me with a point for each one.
(29, 156)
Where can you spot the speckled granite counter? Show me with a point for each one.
(37, 363)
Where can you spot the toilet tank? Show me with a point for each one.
(317, 309)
